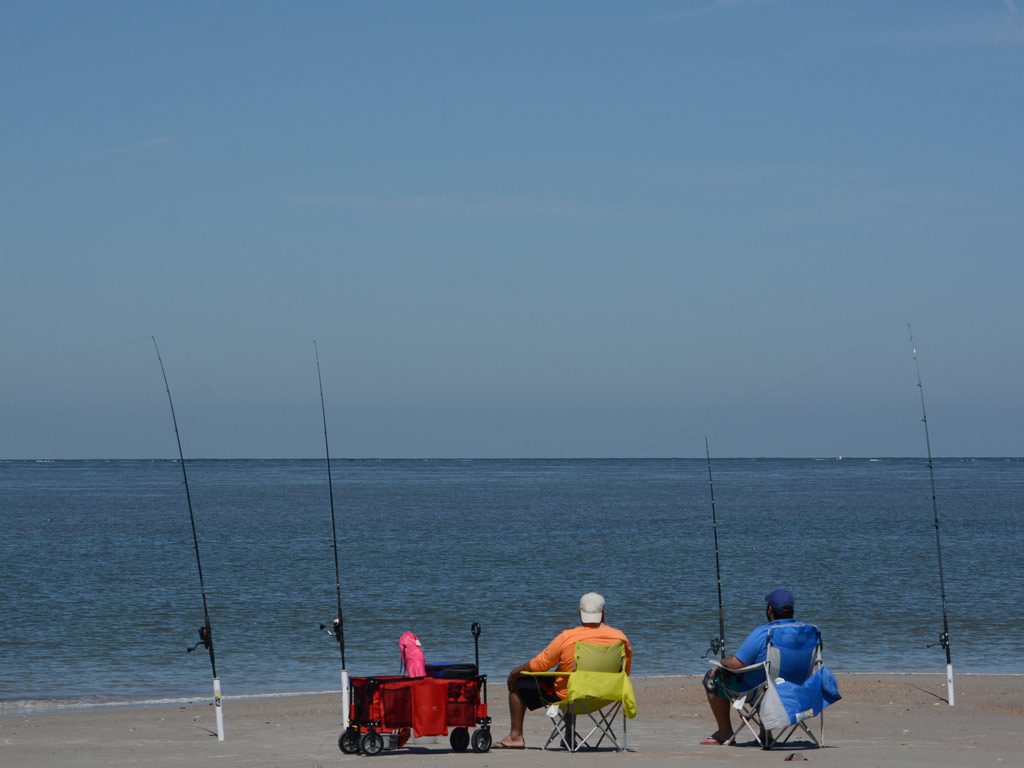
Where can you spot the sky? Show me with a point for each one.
(514, 229)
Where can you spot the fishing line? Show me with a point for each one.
(339, 623)
(205, 633)
(717, 643)
(944, 637)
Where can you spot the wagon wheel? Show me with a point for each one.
(459, 739)
(481, 740)
(371, 744)
(348, 742)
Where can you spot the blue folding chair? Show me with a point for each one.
(798, 686)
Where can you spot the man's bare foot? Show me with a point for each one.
(716, 739)
(509, 743)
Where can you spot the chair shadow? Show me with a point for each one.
(803, 745)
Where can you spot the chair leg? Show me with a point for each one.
(604, 721)
(600, 727)
(785, 734)
(568, 731)
(750, 727)
(562, 729)
(748, 709)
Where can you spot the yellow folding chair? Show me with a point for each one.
(599, 688)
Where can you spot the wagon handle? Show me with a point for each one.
(475, 629)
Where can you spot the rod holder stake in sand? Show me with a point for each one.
(218, 708)
(344, 698)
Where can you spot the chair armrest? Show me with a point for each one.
(546, 674)
(717, 663)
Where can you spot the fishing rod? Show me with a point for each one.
(717, 643)
(944, 637)
(205, 633)
(339, 624)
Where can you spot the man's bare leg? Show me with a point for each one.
(516, 714)
(720, 709)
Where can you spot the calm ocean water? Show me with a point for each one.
(101, 594)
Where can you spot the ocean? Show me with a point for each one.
(101, 593)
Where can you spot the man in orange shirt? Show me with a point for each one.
(533, 693)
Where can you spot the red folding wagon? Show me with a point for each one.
(385, 710)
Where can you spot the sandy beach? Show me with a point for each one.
(882, 720)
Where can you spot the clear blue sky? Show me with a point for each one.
(513, 228)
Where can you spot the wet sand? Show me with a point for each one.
(882, 720)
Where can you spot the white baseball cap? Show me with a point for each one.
(591, 608)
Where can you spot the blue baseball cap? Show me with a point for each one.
(780, 599)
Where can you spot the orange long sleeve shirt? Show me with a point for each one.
(561, 652)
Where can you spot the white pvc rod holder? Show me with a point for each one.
(218, 709)
(344, 698)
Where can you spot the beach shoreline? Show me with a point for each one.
(35, 707)
(899, 719)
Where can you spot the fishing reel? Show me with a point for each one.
(943, 642)
(205, 639)
(336, 624)
(715, 647)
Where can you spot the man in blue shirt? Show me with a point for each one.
(754, 650)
